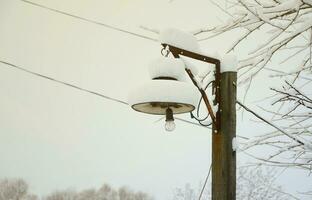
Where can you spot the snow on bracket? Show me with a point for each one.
(180, 39)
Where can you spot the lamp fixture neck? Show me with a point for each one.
(169, 115)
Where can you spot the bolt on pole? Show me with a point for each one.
(223, 133)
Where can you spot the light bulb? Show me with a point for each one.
(170, 125)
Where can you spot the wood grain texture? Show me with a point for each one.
(223, 156)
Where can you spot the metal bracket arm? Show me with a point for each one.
(177, 52)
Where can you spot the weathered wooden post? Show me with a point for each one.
(223, 139)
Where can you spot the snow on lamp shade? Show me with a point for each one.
(167, 67)
(166, 94)
(156, 96)
(179, 39)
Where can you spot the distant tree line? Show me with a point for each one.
(17, 189)
(253, 183)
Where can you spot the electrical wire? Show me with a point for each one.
(201, 98)
(94, 93)
(271, 124)
(101, 24)
(63, 83)
(81, 89)
(89, 20)
(200, 121)
(206, 180)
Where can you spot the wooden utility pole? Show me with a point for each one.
(224, 125)
(223, 156)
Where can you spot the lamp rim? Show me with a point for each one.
(192, 107)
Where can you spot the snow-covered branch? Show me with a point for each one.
(284, 26)
(284, 22)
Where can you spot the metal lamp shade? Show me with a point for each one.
(156, 96)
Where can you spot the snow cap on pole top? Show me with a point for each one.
(229, 63)
(167, 67)
(179, 39)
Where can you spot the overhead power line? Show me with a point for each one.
(79, 88)
(89, 20)
(63, 83)
(271, 124)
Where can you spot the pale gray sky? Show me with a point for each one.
(57, 137)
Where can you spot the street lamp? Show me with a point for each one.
(167, 94)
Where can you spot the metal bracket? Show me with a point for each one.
(177, 52)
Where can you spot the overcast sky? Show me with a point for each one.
(56, 137)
